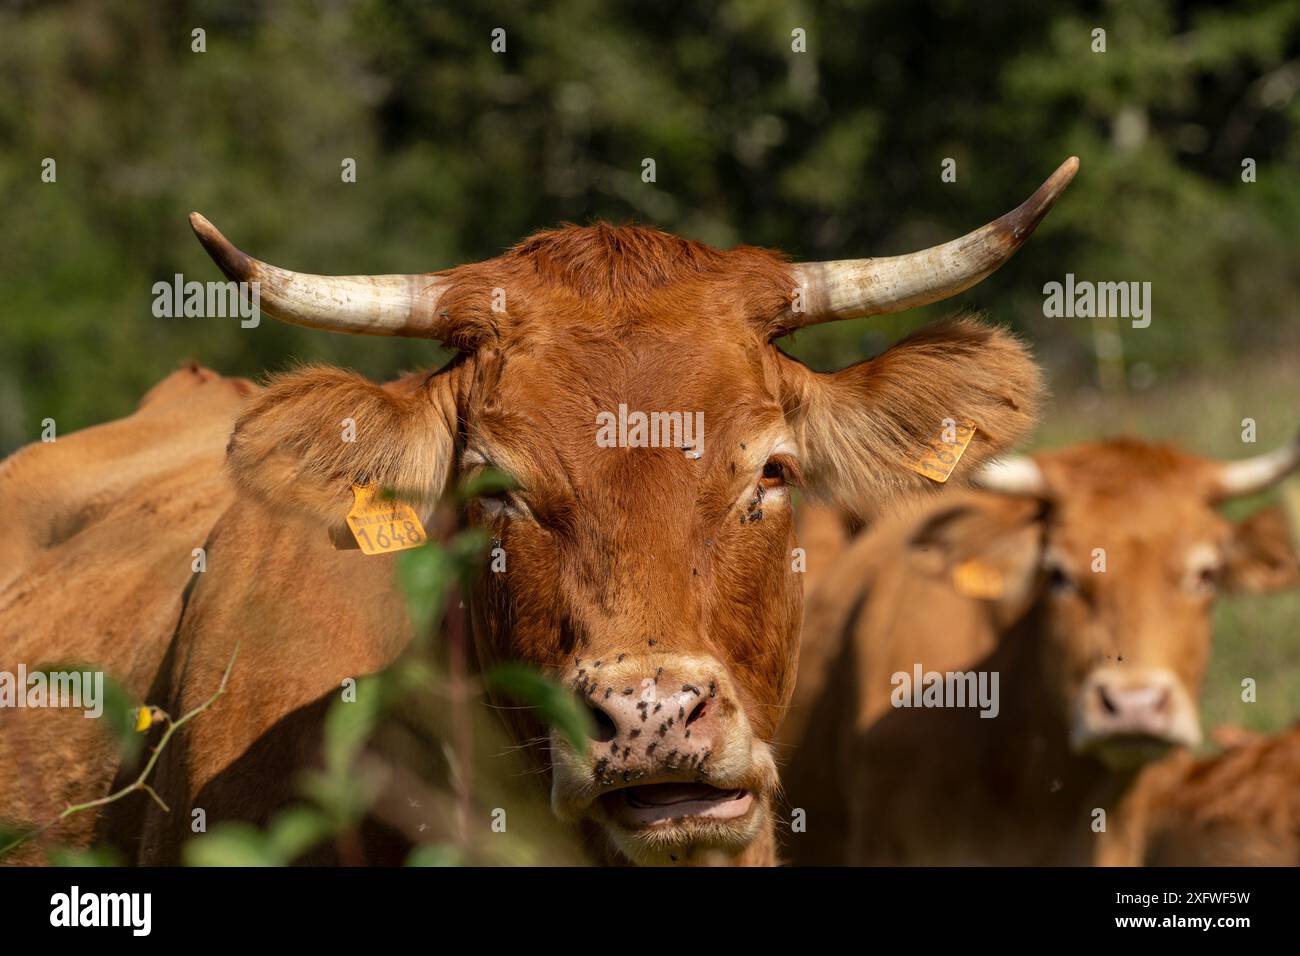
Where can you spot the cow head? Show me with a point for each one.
(1117, 551)
(648, 560)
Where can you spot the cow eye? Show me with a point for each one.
(778, 471)
(495, 502)
(1059, 580)
(1206, 580)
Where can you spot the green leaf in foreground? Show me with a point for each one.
(91, 856)
(435, 855)
(489, 481)
(232, 844)
(12, 835)
(424, 574)
(559, 707)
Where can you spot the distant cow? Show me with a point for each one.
(1084, 585)
(653, 578)
(101, 527)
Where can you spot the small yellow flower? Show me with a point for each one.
(146, 717)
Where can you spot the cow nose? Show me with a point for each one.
(658, 717)
(1120, 704)
(1134, 704)
(680, 716)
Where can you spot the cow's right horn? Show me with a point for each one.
(1254, 474)
(1017, 475)
(358, 305)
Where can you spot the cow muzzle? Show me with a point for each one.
(1130, 716)
(673, 773)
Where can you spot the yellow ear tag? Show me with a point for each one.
(975, 579)
(940, 457)
(382, 525)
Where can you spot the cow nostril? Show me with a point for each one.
(1106, 702)
(1162, 702)
(697, 712)
(603, 726)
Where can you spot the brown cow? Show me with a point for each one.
(104, 524)
(1238, 808)
(656, 581)
(1084, 588)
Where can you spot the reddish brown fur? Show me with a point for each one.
(640, 552)
(943, 785)
(123, 506)
(630, 545)
(1238, 808)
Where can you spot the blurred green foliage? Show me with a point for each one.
(462, 151)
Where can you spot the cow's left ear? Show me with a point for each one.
(1261, 555)
(313, 434)
(864, 428)
(986, 547)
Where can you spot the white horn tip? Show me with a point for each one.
(1013, 475)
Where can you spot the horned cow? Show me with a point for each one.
(1084, 584)
(656, 582)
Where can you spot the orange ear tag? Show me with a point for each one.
(939, 457)
(382, 525)
(975, 579)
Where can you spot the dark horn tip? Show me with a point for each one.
(1022, 220)
(230, 260)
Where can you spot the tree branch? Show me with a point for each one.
(139, 783)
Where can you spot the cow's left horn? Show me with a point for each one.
(1017, 475)
(852, 288)
(1254, 474)
(359, 305)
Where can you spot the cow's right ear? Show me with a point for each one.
(1262, 554)
(313, 434)
(987, 547)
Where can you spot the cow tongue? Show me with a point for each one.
(666, 794)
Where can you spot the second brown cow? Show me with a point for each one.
(1058, 630)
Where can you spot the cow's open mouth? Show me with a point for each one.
(660, 804)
